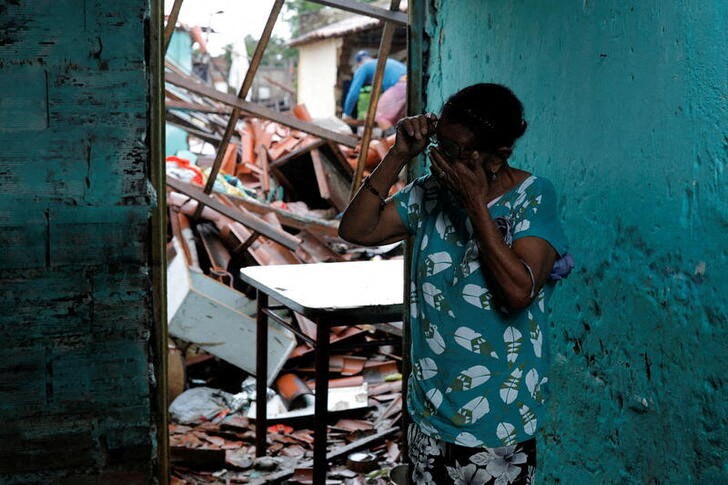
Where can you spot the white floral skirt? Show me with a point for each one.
(437, 462)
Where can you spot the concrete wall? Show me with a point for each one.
(76, 395)
(626, 102)
(317, 67)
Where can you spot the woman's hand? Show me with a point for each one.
(413, 134)
(465, 178)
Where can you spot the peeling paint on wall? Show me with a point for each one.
(75, 289)
(626, 109)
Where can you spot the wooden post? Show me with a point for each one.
(417, 64)
(384, 47)
(247, 82)
(171, 22)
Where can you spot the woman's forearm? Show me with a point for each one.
(362, 219)
(509, 279)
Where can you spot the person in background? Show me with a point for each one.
(364, 74)
(487, 249)
(392, 106)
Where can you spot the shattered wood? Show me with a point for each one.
(282, 181)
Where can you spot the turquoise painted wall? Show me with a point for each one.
(626, 102)
(75, 204)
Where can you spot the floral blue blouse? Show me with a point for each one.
(479, 373)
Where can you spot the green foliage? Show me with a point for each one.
(277, 53)
(304, 16)
(298, 12)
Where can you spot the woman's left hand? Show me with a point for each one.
(466, 179)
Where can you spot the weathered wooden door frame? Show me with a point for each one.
(158, 230)
(157, 42)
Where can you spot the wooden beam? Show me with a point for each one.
(200, 108)
(335, 184)
(254, 223)
(320, 171)
(254, 109)
(262, 160)
(341, 159)
(289, 219)
(366, 9)
(171, 22)
(247, 243)
(296, 153)
(247, 82)
(203, 135)
(384, 47)
(283, 180)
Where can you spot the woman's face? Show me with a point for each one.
(455, 141)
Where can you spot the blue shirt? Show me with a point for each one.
(393, 70)
(479, 374)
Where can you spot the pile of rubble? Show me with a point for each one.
(275, 200)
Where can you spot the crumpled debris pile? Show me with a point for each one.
(275, 200)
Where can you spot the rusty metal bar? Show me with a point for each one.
(384, 47)
(281, 321)
(367, 10)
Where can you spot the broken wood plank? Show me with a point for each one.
(341, 159)
(259, 111)
(209, 137)
(248, 220)
(200, 108)
(283, 180)
(368, 10)
(297, 153)
(247, 82)
(384, 47)
(289, 219)
(262, 159)
(336, 184)
(318, 168)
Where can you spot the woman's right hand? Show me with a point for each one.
(413, 134)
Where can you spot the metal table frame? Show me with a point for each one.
(363, 284)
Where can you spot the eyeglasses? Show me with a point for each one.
(448, 148)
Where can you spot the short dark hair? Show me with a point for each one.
(491, 111)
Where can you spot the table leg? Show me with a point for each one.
(321, 402)
(261, 375)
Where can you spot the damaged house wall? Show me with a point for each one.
(76, 388)
(626, 107)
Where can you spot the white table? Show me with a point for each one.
(330, 294)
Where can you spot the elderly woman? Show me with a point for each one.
(487, 248)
